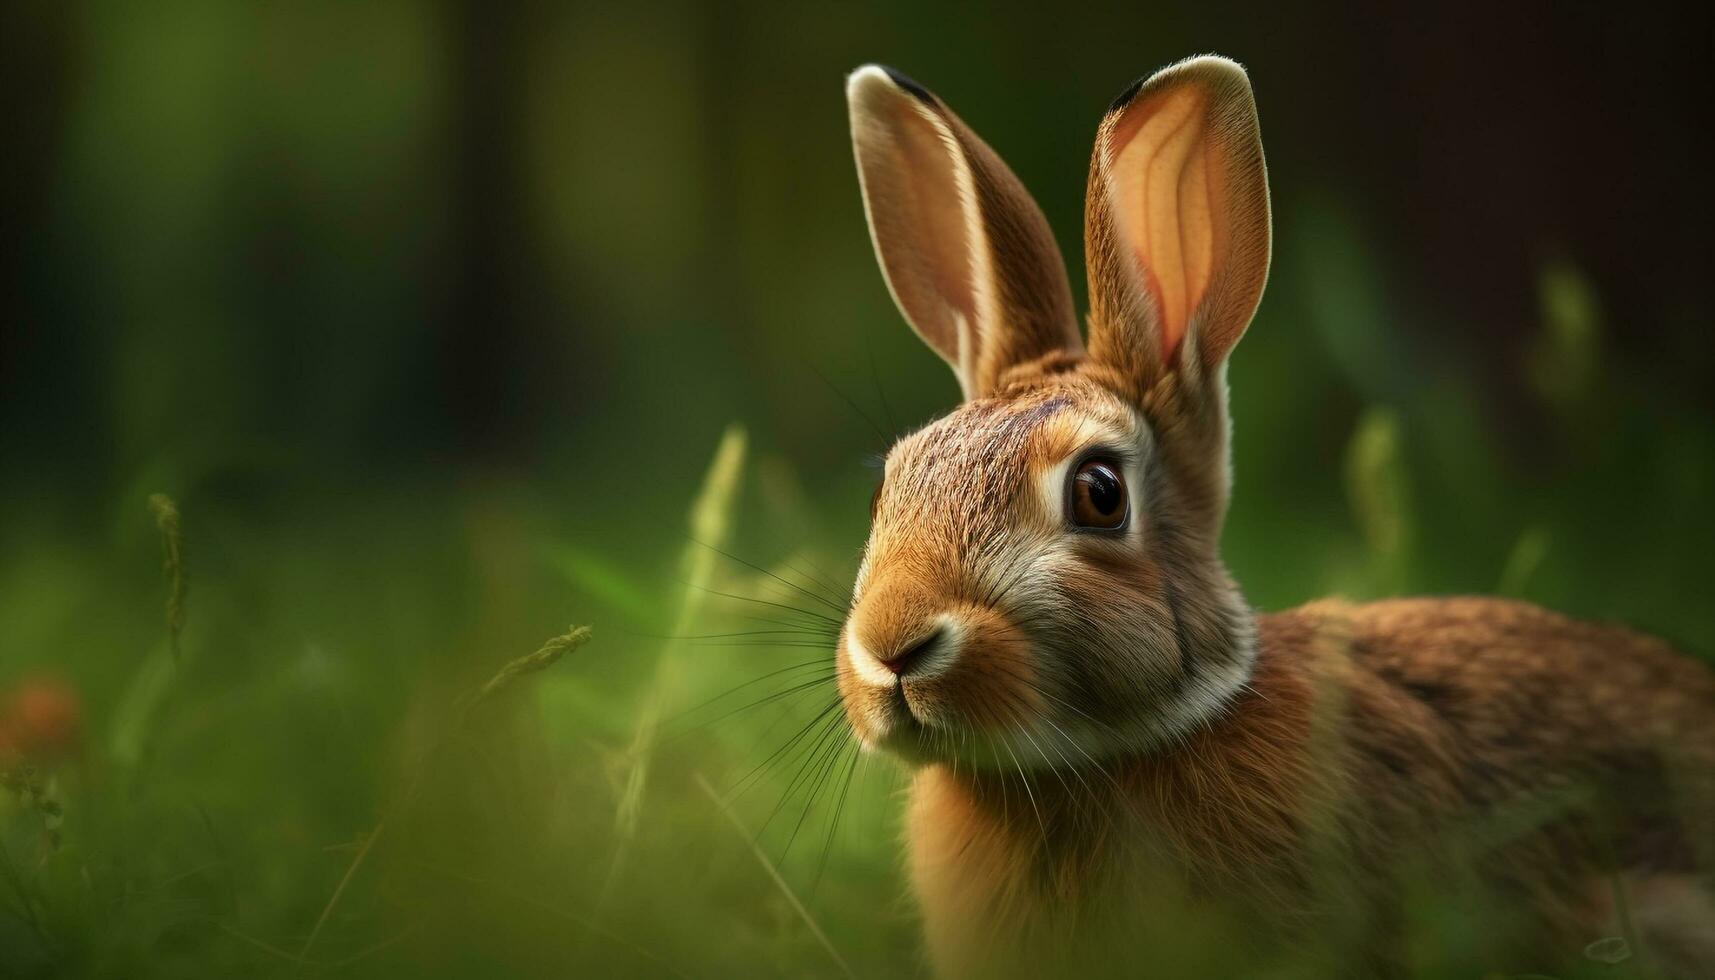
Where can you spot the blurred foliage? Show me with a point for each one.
(1564, 361)
(431, 319)
(1379, 486)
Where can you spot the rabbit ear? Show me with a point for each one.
(1176, 224)
(967, 253)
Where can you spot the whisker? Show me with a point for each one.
(824, 600)
(823, 772)
(811, 759)
(879, 432)
(803, 665)
(875, 378)
(1040, 823)
(808, 613)
(812, 627)
(1076, 770)
(839, 810)
(820, 578)
(798, 688)
(779, 630)
(782, 643)
(1025, 731)
(739, 787)
(1119, 791)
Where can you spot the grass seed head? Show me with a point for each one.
(542, 659)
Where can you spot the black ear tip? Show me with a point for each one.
(1124, 98)
(910, 85)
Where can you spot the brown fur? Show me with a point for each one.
(1374, 738)
(1106, 736)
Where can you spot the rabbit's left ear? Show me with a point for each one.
(967, 253)
(1176, 223)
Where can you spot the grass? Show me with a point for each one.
(335, 761)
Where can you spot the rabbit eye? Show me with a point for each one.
(1098, 496)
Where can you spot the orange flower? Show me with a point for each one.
(43, 720)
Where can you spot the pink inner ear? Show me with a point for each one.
(1160, 180)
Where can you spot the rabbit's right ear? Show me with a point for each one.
(966, 252)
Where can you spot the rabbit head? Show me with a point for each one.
(1042, 583)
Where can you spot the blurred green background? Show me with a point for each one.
(447, 325)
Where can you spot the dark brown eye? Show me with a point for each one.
(1098, 496)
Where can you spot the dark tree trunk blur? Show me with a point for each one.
(482, 330)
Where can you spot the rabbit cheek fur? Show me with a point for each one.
(1104, 735)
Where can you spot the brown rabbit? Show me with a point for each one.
(1106, 739)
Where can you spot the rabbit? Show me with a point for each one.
(1103, 736)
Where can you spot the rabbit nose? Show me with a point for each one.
(911, 654)
(884, 654)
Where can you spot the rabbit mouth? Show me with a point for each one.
(940, 720)
(897, 722)
(935, 681)
(921, 738)
(906, 731)
(917, 718)
(899, 705)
